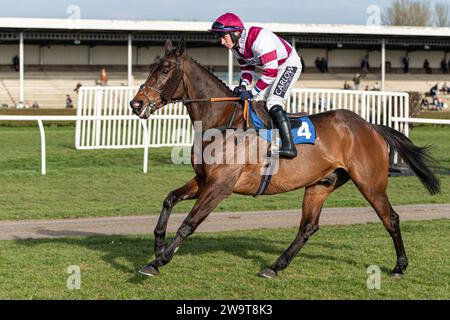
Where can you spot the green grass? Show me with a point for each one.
(443, 114)
(91, 183)
(332, 265)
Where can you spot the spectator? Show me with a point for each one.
(318, 64)
(324, 64)
(388, 66)
(16, 63)
(357, 81)
(424, 104)
(103, 77)
(365, 64)
(406, 64)
(35, 105)
(346, 86)
(438, 103)
(434, 90)
(77, 87)
(69, 103)
(445, 88)
(444, 66)
(426, 66)
(376, 86)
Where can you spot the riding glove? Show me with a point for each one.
(242, 92)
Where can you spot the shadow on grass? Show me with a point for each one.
(138, 250)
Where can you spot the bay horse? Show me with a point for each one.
(348, 147)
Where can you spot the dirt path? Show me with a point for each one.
(220, 221)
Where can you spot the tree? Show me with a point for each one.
(408, 13)
(441, 14)
(417, 13)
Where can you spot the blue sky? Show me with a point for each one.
(293, 11)
(300, 11)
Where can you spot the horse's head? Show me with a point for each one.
(163, 85)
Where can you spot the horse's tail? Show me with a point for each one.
(416, 157)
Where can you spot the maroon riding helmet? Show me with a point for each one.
(228, 23)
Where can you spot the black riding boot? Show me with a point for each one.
(281, 120)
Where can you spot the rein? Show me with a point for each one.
(222, 99)
(169, 88)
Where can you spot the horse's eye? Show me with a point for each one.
(165, 70)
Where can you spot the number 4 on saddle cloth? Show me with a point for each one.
(302, 128)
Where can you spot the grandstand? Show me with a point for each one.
(58, 53)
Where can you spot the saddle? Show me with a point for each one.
(258, 118)
(260, 110)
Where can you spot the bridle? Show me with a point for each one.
(169, 88)
(167, 91)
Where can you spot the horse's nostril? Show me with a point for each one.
(135, 104)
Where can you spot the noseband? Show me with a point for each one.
(167, 90)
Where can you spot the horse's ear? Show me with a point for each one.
(168, 46)
(181, 47)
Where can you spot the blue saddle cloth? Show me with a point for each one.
(302, 129)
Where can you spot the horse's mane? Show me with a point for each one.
(218, 80)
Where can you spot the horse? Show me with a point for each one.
(347, 148)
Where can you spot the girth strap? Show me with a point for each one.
(267, 176)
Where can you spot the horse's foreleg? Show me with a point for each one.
(313, 201)
(210, 196)
(188, 191)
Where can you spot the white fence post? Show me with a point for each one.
(43, 155)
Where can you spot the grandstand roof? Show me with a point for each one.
(33, 24)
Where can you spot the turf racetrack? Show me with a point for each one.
(332, 265)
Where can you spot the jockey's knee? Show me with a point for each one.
(274, 101)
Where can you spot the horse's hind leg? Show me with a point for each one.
(313, 201)
(188, 191)
(375, 193)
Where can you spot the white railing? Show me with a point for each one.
(374, 106)
(398, 120)
(40, 120)
(171, 126)
(104, 118)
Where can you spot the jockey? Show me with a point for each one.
(281, 67)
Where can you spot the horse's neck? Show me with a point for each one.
(200, 84)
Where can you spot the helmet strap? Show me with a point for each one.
(235, 38)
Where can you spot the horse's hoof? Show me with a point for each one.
(398, 272)
(397, 275)
(268, 273)
(149, 270)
